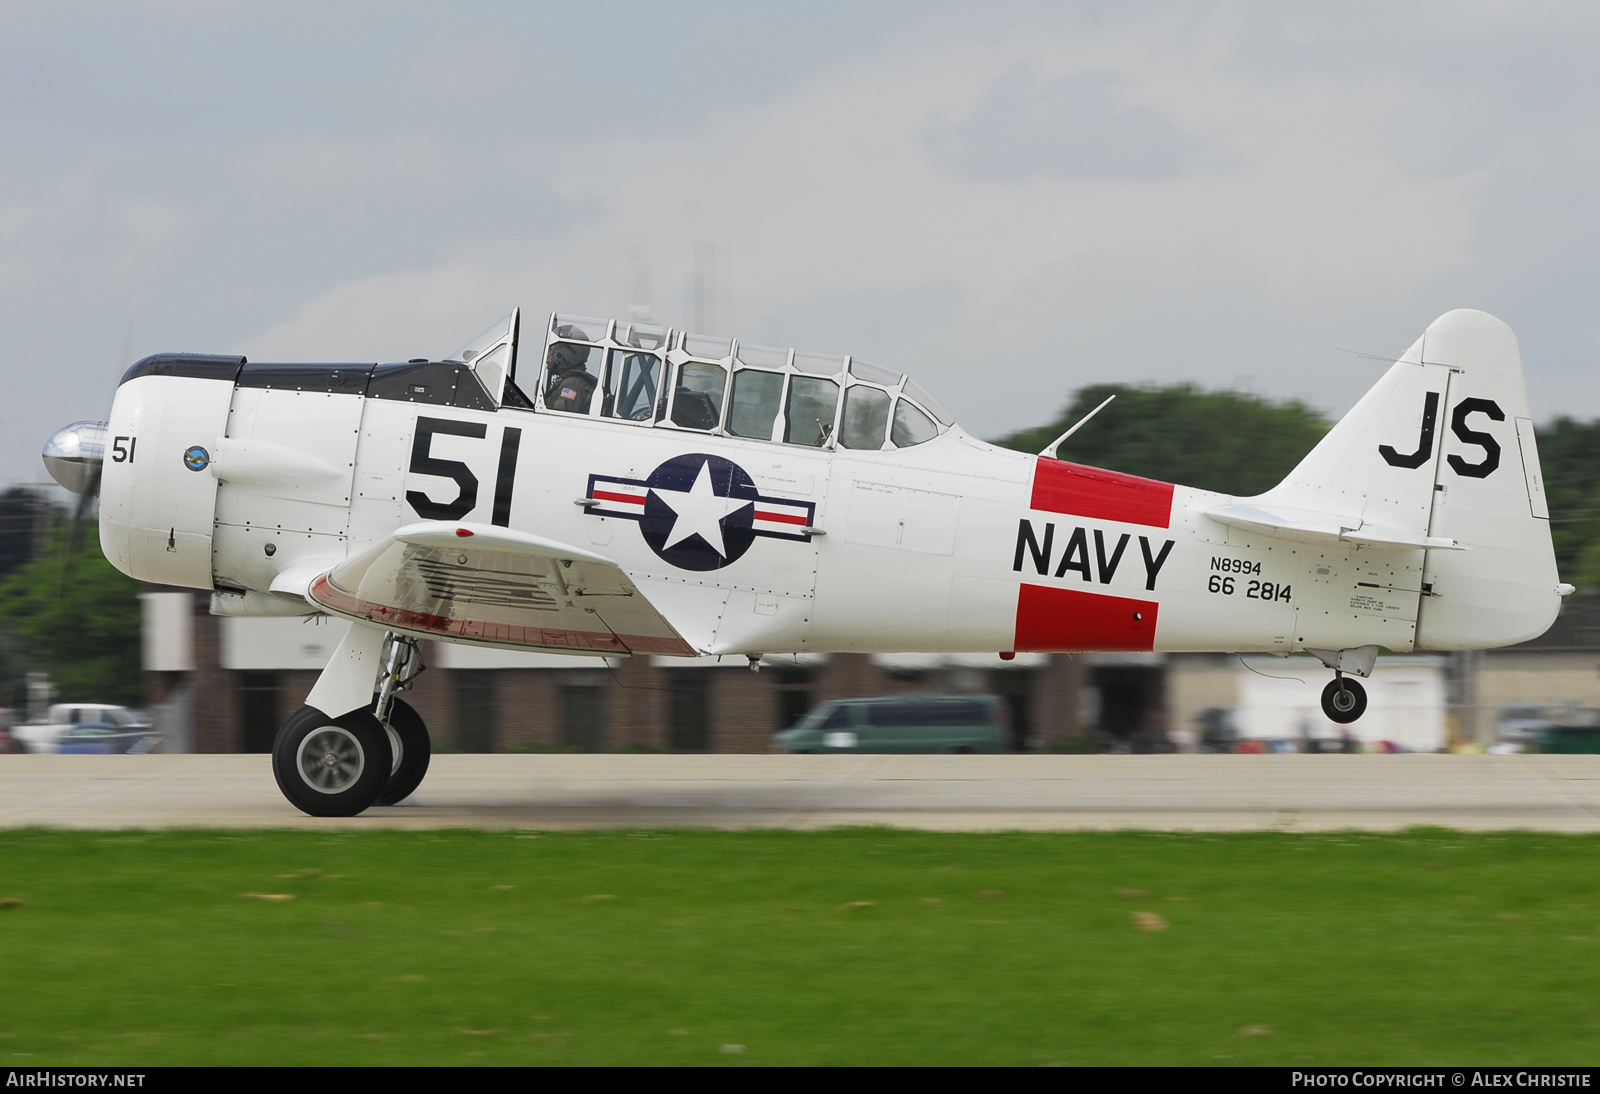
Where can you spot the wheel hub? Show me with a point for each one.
(331, 760)
(397, 748)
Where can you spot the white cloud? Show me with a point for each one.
(1291, 199)
(45, 236)
(386, 317)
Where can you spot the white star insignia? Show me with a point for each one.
(699, 511)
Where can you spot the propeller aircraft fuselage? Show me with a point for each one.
(656, 492)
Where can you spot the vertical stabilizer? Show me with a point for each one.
(1440, 454)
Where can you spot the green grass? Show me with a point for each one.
(848, 946)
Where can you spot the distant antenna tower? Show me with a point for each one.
(702, 286)
(641, 311)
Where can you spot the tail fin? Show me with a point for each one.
(1440, 453)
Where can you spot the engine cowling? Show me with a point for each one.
(158, 498)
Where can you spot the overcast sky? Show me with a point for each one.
(1007, 201)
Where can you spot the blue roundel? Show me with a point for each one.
(196, 458)
(700, 512)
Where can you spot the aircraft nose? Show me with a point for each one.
(74, 454)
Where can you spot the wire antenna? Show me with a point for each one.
(1368, 356)
(1268, 675)
(1050, 449)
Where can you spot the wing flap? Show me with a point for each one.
(491, 585)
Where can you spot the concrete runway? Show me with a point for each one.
(976, 793)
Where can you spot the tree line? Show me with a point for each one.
(1238, 443)
(64, 609)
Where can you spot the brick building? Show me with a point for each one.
(227, 684)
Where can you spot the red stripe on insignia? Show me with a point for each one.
(1071, 488)
(1051, 620)
(780, 518)
(630, 499)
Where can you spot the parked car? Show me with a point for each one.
(1569, 739)
(901, 723)
(88, 727)
(104, 740)
(1218, 731)
(1519, 725)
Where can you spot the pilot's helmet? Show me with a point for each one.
(567, 357)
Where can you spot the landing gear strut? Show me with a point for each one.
(408, 735)
(1344, 700)
(377, 755)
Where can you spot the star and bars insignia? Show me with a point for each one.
(700, 512)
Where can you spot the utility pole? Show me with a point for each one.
(701, 287)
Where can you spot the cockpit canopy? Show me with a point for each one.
(655, 376)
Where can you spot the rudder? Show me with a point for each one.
(1488, 495)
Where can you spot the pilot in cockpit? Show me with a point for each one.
(569, 385)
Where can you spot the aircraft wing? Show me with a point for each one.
(486, 584)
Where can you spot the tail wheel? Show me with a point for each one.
(1344, 700)
(408, 733)
(331, 767)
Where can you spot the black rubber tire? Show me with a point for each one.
(355, 773)
(1347, 707)
(415, 752)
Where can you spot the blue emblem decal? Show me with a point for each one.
(196, 458)
(700, 512)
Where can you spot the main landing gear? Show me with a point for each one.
(1344, 700)
(377, 755)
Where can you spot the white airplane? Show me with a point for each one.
(652, 491)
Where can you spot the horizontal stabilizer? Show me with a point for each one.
(491, 585)
(1323, 527)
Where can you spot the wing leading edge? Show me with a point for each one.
(491, 585)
